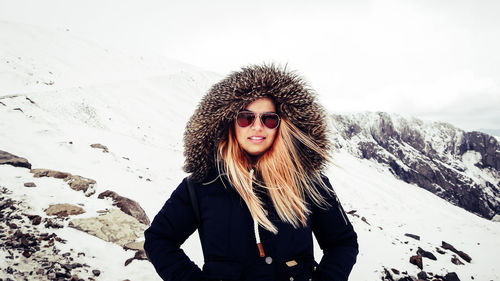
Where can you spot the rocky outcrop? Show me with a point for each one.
(77, 183)
(435, 156)
(64, 210)
(116, 227)
(128, 206)
(13, 160)
(30, 252)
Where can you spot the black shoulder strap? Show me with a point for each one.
(194, 199)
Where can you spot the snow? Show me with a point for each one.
(138, 108)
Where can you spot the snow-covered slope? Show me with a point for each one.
(461, 167)
(137, 108)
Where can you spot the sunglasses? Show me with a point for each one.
(270, 120)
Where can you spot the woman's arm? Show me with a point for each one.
(337, 239)
(170, 228)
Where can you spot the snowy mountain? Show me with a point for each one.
(460, 167)
(99, 130)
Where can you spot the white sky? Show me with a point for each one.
(434, 59)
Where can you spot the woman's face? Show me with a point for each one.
(256, 138)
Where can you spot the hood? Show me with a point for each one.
(218, 108)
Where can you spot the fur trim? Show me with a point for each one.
(224, 100)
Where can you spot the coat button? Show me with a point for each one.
(291, 278)
(269, 260)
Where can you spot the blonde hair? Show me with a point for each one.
(282, 169)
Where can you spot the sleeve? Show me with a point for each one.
(337, 239)
(170, 228)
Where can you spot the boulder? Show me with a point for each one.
(80, 183)
(135, 246)
(116, 227)
(13, 160)
(100, 146)
(416, 260)
(64, 210)
(127, 205)
(450, 247)
(39, 173)
(75, 182)
(426, 254)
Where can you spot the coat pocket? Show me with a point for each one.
(214, 269)
(303, 270)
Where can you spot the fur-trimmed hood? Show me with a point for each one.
(224, 100)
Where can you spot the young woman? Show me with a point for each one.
(255, 148)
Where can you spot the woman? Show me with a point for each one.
(255, 148)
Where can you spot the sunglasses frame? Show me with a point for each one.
(260, 118)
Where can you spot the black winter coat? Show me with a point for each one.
(229, 246)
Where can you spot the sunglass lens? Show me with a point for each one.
(270, 120)
(245, 119)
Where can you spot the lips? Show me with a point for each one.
(256, 139)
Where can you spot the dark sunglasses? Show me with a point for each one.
(270, 120)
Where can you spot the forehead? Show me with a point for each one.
(261, 105)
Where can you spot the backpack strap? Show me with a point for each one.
(194, 199)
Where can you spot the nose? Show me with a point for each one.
(257, 124)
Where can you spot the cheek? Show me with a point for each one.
(239, 133)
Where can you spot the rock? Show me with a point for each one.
(416, 260)
(116, 227)
(135, 246)
(127, 205)
(422, 275)
(364, 219)
(80, 183)
(440, 251)
(463, 255)
(387, 275)
(64, 210)
(426, 254)
(96, 272)
(413, 236)
(451, 276)
(395, 271)
(100, 146)
(139, 255)
(13, 160)
(39, 173)
(456, 261)
(35, 219)
(49, 223)
(29, 184)
(74, 181)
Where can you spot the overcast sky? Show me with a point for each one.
(437, 60)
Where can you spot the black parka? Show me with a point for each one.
(228, 241)
(226, 225)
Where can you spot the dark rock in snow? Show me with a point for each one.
(100, 146)
(422, 275)
(29, 184)
(463, 255)
(413, 236)
(13, 160)
(128, 206)
(416, 260)
(426, 254)
(451, 276)
(456, 260)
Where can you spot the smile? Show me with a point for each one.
(256, 139)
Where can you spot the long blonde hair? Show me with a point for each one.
(282, 169)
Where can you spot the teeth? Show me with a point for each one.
(256, 138)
